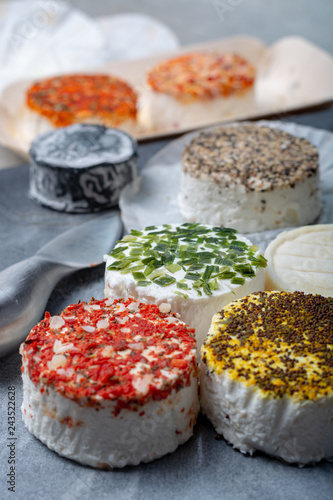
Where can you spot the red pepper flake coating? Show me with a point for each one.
(202, 76)
(69, 99)
(104, 350)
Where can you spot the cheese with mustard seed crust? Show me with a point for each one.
(195, 268)
(250, 177)
(266, 375)
(110, 383)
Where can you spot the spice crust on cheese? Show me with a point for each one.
(83, 98)
(202, 76)
(249, 177)
(103, 369)
(266, 375)
(196, 88)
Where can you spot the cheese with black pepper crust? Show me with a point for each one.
(110, 384)
(195, 268)
(266, 375)
(249, 177)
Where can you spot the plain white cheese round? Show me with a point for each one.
(301, 259)
(160, 111)
(231, 205)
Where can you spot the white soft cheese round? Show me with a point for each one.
(249, 177)
(96, 437)
(301, 259)
(160, 111)
(33, 124)
(110, 384)
(193, 304)
(232, 205)
(263, 385)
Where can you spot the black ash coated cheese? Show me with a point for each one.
(81, 168)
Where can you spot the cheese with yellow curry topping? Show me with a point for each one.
(267, 375)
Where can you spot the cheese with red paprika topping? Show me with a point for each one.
(195, 86)
(110, 383)
(79, 98)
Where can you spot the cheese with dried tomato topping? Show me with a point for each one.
(192, 87)
(79, 98)
(110, 384)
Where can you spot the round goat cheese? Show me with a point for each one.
(249, 177)
(80, 98)
(301, 259)
(195, 268)
(81, 168)
(110, 383)
(266, 375)
(194, 87)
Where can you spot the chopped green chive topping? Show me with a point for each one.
(117, 250)
(143, 283)
(237, 281)
(173, 268)
(200, 255)
(138, 276)
(130, 238)
(165, 280)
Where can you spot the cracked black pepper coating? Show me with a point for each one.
(281, 342)
(258, 157)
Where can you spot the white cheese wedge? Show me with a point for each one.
(263, 385)
(301, 259)
(196, 251)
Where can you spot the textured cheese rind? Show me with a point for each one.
(301, 259)
(94, 436)
(296, 431)
(160, 111)
(195, 311)
(231, 205)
